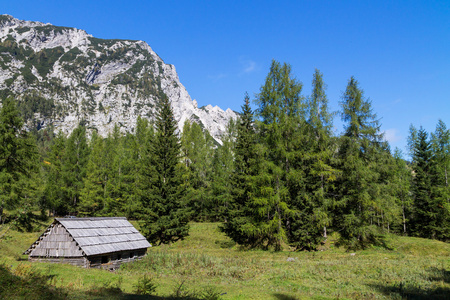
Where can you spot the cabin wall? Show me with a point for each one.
(57, 243)
(76, 261)
(112, 261)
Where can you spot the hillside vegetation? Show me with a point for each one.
(209, 265)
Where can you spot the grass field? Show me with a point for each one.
(208, 265)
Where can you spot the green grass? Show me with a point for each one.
(207, 264)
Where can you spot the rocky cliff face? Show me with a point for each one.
(63, 75)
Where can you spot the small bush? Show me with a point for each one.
(210, 293)
(145, 286)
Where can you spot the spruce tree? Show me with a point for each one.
(424, 219)
(440, 146)
(165, 216)
(244, 222)
(314, 202)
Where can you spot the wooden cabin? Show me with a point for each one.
(89, 242)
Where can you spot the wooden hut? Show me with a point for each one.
(89, 242)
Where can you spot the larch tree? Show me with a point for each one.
(402, 182)
(18, 161)
(197, 149)
(358, 204)
(222, 170)
(279, 118)
(54, 191)
(92, 195)
(74, 166)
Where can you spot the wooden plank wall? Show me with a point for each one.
(57, 243)
(76, 261)
(112, 261)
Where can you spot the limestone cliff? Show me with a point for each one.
(63, 75)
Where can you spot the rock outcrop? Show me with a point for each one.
(63, 75)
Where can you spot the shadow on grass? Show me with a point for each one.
(415, 291)
(138, 297)
(284, 297)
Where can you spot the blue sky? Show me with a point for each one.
(399, 51)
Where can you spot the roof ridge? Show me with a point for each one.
(91, 218)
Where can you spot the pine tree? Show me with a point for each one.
(165, 217)
(18, 161)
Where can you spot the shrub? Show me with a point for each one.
(145, 286)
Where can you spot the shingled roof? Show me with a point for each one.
(93, 236)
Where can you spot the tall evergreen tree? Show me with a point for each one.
(222, 170)
(402, 183)
(440, 146)
(423, 220)
(244, 222)
(356, 209)
(281, 115)
(18, 159)
(92, 195)
(314, 202)
(54, 191)
(141, 168)
(431, 213)
(74, 166)
(197, 149)
(165, 216)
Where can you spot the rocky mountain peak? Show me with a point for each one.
(63, 75)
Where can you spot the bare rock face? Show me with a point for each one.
(63, 75)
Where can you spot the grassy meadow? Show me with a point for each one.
(208, 265)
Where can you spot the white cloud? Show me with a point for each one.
(248, 66)
(391, 135)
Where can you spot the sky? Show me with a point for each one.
(399, 51)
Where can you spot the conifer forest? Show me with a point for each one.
(281, 177)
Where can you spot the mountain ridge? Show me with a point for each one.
(62, 75)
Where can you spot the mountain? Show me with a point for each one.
(63, 75)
